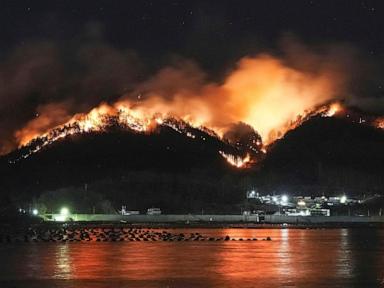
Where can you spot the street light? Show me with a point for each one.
(35, 212)
(284, 199)
(64, 211)
(301, 203)
(343, 199)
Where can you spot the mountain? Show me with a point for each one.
(328, 155)
(184, 169)
(173, 165)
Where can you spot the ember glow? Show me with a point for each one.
(379, 123)
(237, 161)
(333, 109)
(262, 92)
(140, 120)
(102, 117)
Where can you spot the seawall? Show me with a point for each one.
(191, 218)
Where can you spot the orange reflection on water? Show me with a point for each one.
(294, 257)
(288, 259)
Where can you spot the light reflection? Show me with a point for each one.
(63, 267)
(249, 262)
(344, 266)
(294, 257)
(284, 254)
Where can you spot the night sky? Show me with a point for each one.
(211, 32)
(86, 52)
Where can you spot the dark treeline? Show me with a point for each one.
(164, 169)
(173, 193)
(100, 173)
(327, 155)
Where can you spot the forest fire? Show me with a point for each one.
(261, 92)
(93, 121)
(237, 161)
(333, 109)
(136, 119)
(328, 110)
(98, 119)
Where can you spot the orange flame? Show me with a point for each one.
(261, 91)
(333, 109)
(237, 161)
(379, 123)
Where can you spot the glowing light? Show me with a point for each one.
(301, 203)
(35, 212)
(263, 150)
(252, 194)
(140, 119)
(60, 218)
(284, 199)
(343, 199)
(333, 109)
(64, 211)
(379, 123)
(275, 98)
(237, 161)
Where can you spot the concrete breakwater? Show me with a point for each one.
(85, 234)
(194, 218)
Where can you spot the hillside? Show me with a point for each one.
(174, 168)
(181, 168)
(331, 154)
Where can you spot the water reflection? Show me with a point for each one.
(344, 266)
(295, 258)
(63, 266)
(285, 266)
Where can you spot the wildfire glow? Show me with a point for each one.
(333, 109)
(262, 92)
(237, 161)
(379, 123)
(98, 119)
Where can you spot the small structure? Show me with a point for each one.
(153, 211)
(126, 212)
(307, 212)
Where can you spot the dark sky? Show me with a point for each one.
(211, 32)
(80, 53)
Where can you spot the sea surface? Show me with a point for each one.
(294, 258)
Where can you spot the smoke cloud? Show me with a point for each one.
(264, 91)
(43, 86)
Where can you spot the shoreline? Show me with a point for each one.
(218, 221)
(116, 231)
(204, 225)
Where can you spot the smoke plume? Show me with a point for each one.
(44, 86)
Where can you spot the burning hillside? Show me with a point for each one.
(258, 102)
(106, 118)
(263, 91)
(247, 143)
